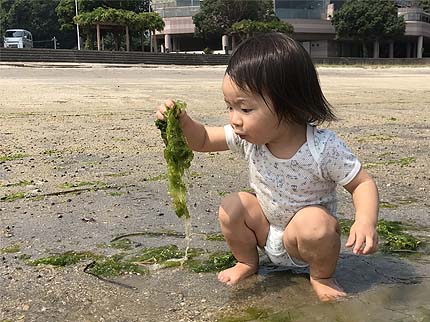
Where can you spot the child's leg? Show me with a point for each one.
(313, 236)
(244, 227)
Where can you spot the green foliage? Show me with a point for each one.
(139, 21)
(208, 51)
(38, 16)
(148, 21)
(425, 4)
(216, 17)
(368, 19)
(104, 15)
(65, 11)
(248, 27)
(177, 155)
(66, 8)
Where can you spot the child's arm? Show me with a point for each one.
(363, 235)
(199, 137)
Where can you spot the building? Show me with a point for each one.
(312, 27)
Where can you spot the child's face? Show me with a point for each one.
(249, 115)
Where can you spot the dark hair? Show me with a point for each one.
(279, 69)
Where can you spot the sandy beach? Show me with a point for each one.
(81, 162)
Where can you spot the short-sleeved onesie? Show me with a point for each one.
(310, 177)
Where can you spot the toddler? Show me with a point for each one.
(275, 103)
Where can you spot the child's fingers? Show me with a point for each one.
(371, 245)
(160, 115)
(351, 240)
(161, 109)
(169, 103)
(359, 241)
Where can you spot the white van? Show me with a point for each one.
(18, 38)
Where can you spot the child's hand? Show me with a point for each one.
(163, 108)
(363, 237)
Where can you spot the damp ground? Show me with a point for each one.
(82, 178)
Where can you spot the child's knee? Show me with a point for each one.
(316, 225)
(239, 206)
(229, 207)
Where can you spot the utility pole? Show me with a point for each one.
(77, 26)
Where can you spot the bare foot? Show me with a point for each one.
(327, 289)
(236, 273)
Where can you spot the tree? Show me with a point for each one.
(141, 22)
(216, 17)
(248, 27)
(147, 21)
(425, 4)
(66, 8)
(66, 12)
(38, 16)
(5, 6)
(366, 20)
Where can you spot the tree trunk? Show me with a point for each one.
(376, 49)
(364, 45)
(116, 38)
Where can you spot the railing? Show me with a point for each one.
(168, 12)
(108, 57)
(414, 14)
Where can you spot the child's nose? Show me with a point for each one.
(235, 119)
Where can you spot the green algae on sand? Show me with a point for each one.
(177, 155)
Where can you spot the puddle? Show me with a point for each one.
(380, 288)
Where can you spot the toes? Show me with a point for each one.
(222, 278)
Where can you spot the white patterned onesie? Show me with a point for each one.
(310, 177)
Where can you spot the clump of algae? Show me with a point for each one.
(177, 155)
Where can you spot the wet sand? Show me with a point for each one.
(62, 126)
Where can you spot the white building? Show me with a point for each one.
(312, 27)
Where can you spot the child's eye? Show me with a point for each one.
(246, 110)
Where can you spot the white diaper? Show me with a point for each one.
(276, 251)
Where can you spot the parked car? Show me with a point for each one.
(18, 38)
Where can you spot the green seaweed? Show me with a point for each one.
(70, 185)
(158, 254)
(51, 152)
(21, 183)
(217, 261)
(385, 204)
(10, 249)
(114, 266)
(177, 155)
(395, 239)
(64, 259)
(13, 197)
(259, 314)
(215, 237)
(4, 158)
(123, 244)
